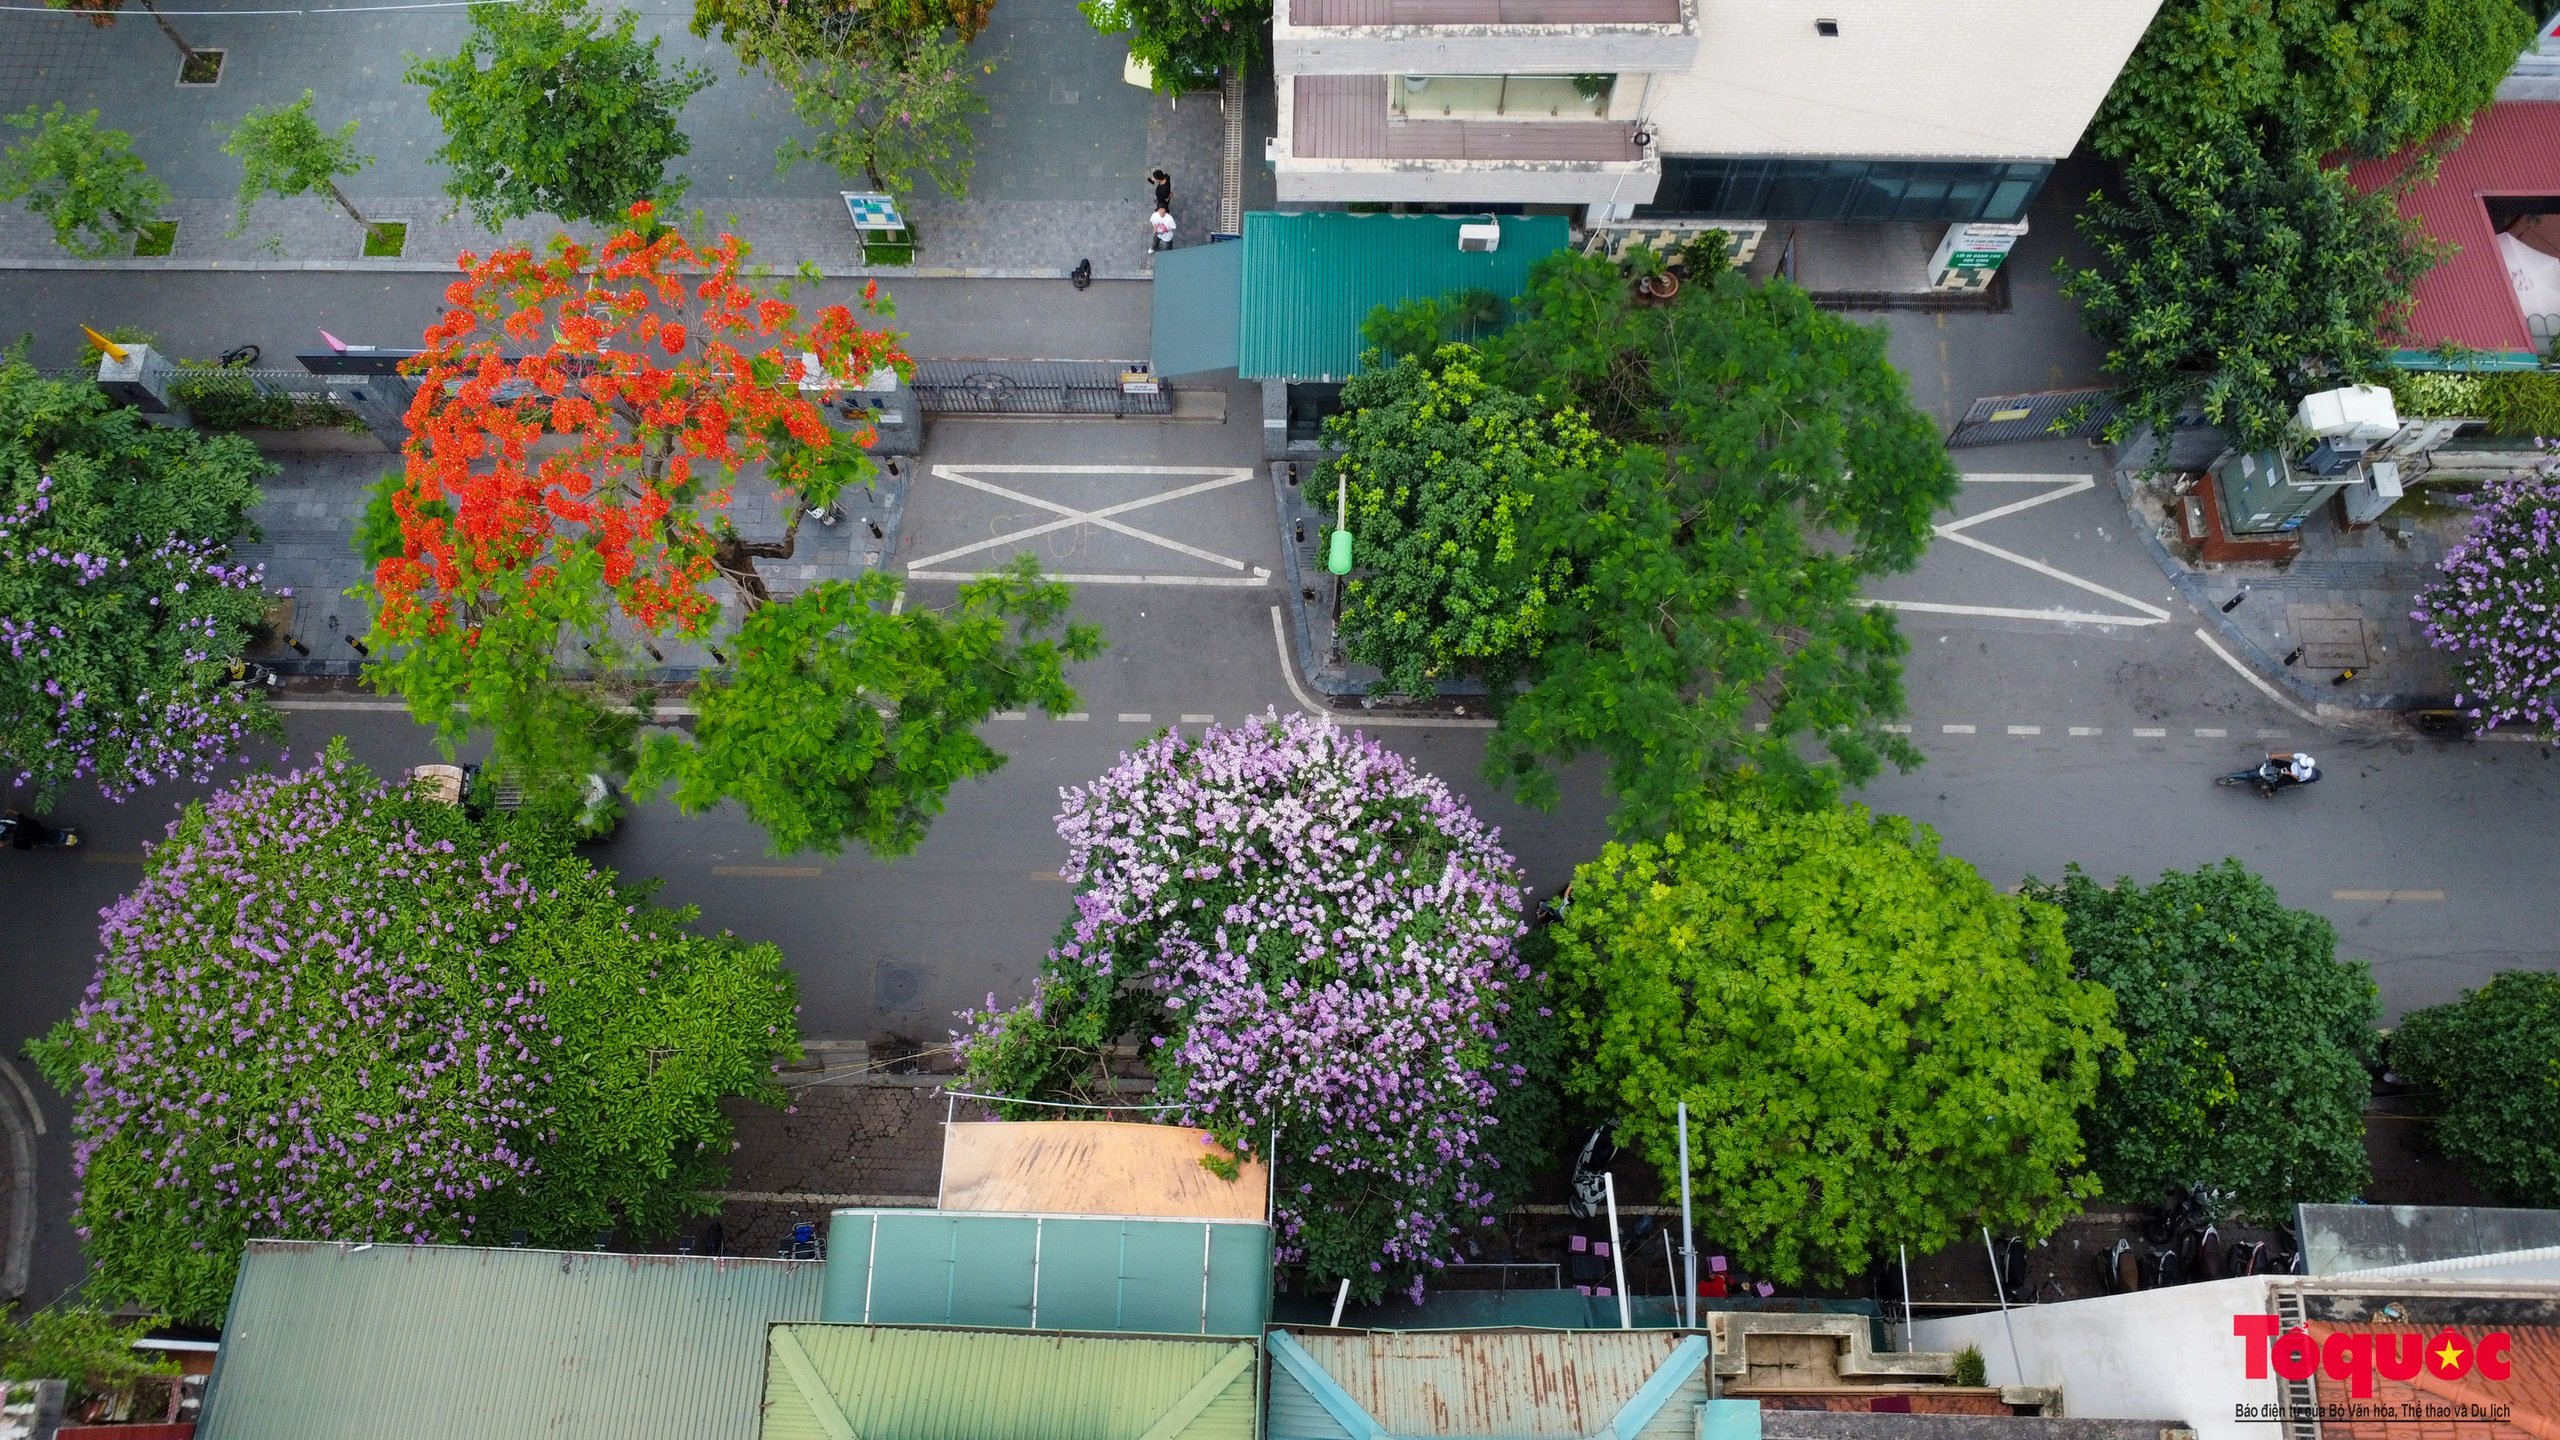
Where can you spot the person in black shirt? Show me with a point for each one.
(1164, 189)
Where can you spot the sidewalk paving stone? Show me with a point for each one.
(1061, 157)
(2370, 576)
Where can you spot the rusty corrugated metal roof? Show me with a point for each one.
(1492, 1382)
(2513, 149)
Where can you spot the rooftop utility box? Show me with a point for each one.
(2360, 414)
(1480, 237)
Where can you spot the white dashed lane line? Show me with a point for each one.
(1955, 729)
(2026, 729)
(1135, 717)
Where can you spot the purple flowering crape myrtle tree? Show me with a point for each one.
(2496, 608)
(120, 612)
(1307, 935)
(336, 1010)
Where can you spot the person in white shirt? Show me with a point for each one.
(1162, 225)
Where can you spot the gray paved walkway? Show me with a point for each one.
(2332, 628)
(1061, 157)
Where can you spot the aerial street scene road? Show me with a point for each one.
(1315, 719)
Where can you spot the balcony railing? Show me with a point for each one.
(1345, 117)
(1364, 13)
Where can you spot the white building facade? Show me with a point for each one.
(1676, 112)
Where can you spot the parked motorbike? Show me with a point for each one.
(252, 675)
(2009, 1269)
(25, 832)
(1590, 1169)
(2120, 1269)
(2276, 772)
(1551, 909)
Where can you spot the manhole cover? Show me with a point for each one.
(2331, 642)
(896, 987)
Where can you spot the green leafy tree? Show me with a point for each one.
(2249, 1039)
(334, 1009)
(546, 111)
(1419, 327)
(2318, 74)
(893, 115)
(120, 609)
(2240, 276)
(887, 91)
(2488, 1066)
(86, 182)
(744, 25)
(1443, 468)
(1185, 43)
(82, 1346)
(283, 152)
(1876, 1047)
(1770, 462)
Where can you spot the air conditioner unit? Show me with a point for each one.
(1484, 237)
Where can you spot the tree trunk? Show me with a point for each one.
(349, 206)
(170, 30)
(736, 559)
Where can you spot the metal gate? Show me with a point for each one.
(2008, 419)
(1033, 387)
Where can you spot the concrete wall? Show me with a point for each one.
(2153, 1355)
(1953, 79)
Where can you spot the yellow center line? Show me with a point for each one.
(2386, 895)
(790, 872)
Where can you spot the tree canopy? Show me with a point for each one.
(2494, 606)
(1185, 44)
(886, 88)
(2317, 74)
(2249, 1040)
(86, 182)
(583, 418)
(283, 152)
(335, 1010)
(1442, 469)
(547, 111)
(1308, 936)
(2488, 1066)
(1700, 571)
(1876, 1047)
(120, 609)
(2241, 276)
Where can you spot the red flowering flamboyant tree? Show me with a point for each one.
(582, 420)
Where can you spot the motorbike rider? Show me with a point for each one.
(2294, 766)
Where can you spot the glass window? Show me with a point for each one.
(1793, 188)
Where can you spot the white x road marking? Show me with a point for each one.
(922, 568)
(2146, 613)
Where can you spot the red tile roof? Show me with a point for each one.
(2530, 1393)
(2513, 149)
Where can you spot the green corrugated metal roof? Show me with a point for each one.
(1096, 1274)
(1197, 301)
(829, 1382)
(450, 1343)
(1311, 278)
